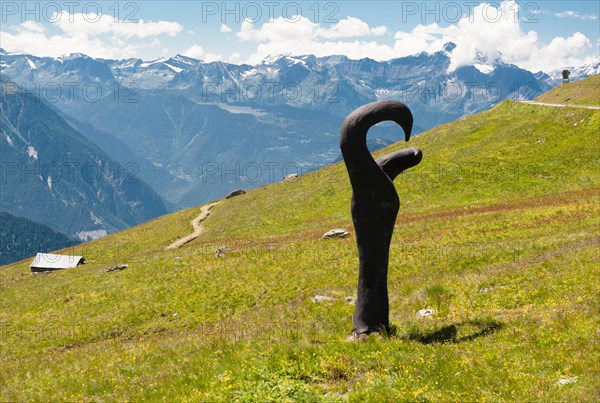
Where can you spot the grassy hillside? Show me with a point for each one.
(583, 92)
(497, 231)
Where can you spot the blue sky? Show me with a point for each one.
(538, 35)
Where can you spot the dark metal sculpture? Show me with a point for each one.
(375, 205)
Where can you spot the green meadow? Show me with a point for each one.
(498, 232)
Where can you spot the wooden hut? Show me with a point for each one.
(50, 262)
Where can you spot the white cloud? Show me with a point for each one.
(279, 30)
(302, 36)
(197, 52)
(504, 40)
(350, 27)
(94, 35)
(301, 28)
(92, 25)
(536, 12)
(380, 30)
(235, 58)
(224, 28)
(576, 14)
(213, 57)
(31, 26)
(490, 32)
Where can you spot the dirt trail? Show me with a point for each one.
(560, 105)
(197, 225)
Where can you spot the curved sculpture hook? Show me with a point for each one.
(374, 206)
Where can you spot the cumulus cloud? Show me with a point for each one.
(31, 26)
(279, 30)
(350, 27)
(299, 27)
(490, 33)
(279, 36)
(94, 35)
(504, 40)
(197, 52)
(235, 58)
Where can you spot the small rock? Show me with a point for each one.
(175, 315)
(423, 313)
(491, 288)
(336, 233)
(541, 141)
(321, 298)
(119, 267)
(235, 193)
(358, 337)
(290, 177)
(220, 252)
(566, 381)
(350, 300)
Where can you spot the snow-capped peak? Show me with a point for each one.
(174, 68)
(74, 56)
(123, 64)
(151, 62)
(484, 68)
(270, 59)
(184, 59)
(579, 72)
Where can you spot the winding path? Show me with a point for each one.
(560, 105)
(197, 225)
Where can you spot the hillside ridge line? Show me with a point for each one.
(559, 105)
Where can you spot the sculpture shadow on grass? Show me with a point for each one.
(455, 332)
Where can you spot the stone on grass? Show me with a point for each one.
(321, 298)
(335, 233)
(423, 313)
(566, 381)
(220, 252)
(235, 193)
(358, 337)
(115, 268)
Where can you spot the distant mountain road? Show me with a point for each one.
(197, 225)
(560, 105)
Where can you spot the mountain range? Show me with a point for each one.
(55, 176)
(194, 130)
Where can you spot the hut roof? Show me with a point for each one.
(49, 261)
